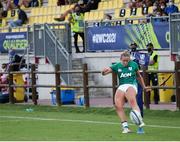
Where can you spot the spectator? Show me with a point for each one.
(22, 18)
(106, 20)
(91, 5)
(61, 2)
(77, 26)
(26, 3)
(171, 8)
(136, 3)
(16, 2)
(153, 65)
(33, 3)
(163, 6)
(4, 8)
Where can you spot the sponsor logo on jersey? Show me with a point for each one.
(125, 75)
(119, 70)
(130, 68)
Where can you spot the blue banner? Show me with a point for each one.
(17, 41)
(117, 38)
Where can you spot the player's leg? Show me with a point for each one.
(119, 103)
(131, 97)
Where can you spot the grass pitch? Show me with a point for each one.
(47, 123)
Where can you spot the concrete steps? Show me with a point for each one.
(77, 79)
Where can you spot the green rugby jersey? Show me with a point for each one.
(126, 75)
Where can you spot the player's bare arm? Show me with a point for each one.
(106, 71)
(141, 81)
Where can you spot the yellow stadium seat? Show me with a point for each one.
(15, 30)
(9, 14)
(50, 19)
(95, 15)
(31, 20)
(58, 10)
(105, 5)
(23, 29)
(86, 16)
(91, 16)
(101, 15)
(135, 22)
(45, 10)
(178, 6)
(100, 5)
(127, 13)
(110, 5)
(176, 1)
(139, 12)
(52, 2)
(44, 19)
(117, 3)
(54, 10)
(4, 30)
(42, 11)
(36, 19)
(63, 9)
(116, 13)
(35, 11)
(4, 22)
(150, 10)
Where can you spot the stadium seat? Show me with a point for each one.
(138, 12)
(110, 5)
(127, 13)
(117, 3)
(34, 11)
(176, 1)
(4, 22)
(52, 2)
(105, 5)
(91, 16)
(86, 16)
(150, 10)
(101, 15)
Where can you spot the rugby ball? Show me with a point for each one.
(135, 117)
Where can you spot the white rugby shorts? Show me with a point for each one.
(124, 87)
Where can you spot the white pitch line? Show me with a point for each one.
(81, 121)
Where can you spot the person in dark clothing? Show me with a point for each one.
(33, 3)
(77, 26)
(153, 65)
(61, 2)
(22, 18)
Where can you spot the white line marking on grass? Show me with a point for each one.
(81, 121)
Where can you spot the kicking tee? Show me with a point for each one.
(126, 74)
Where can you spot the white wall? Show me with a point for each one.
(45, 79)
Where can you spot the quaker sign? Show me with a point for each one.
(17, 41)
